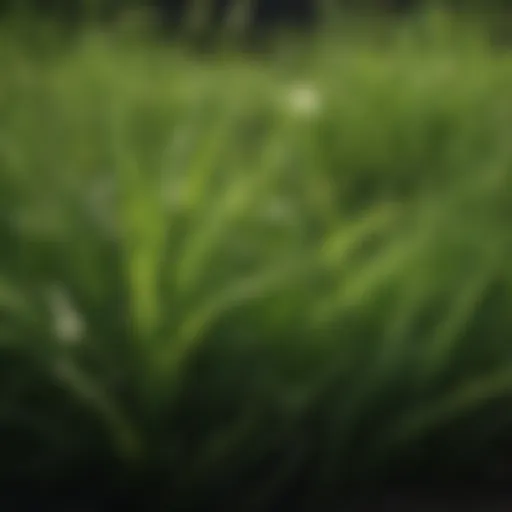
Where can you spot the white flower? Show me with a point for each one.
(304, 99)
(68, 324)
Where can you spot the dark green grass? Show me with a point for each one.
(231, 273)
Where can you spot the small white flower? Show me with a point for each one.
(68, 324)
(304, 99)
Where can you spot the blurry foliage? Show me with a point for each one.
(228, 277)
(76, 9)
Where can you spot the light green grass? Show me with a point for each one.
(196, 259)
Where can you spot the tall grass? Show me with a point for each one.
(243, 272)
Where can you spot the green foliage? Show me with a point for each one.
(210, 272)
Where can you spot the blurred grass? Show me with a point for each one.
(234, 268)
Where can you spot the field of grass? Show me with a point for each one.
(236, 277)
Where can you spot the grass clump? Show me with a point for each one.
(266, 272)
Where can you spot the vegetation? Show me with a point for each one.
(240, 278)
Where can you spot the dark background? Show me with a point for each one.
(264, 11)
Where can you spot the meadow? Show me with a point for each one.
(229, 279)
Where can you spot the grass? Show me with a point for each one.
(255, 270)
